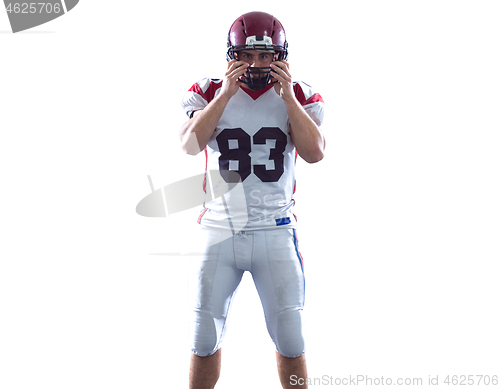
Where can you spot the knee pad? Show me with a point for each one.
(289, 338)
(205, 338)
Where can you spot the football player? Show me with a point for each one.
(251, 125)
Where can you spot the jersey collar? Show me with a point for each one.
(255, 94)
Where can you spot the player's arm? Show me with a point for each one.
(197, 131)
(306, 134)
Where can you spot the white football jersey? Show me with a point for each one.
(252, 139)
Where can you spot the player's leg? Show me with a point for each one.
(204, 371)
(292, 371)
(213, 283)
(278, 275)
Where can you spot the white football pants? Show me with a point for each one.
(273, 259)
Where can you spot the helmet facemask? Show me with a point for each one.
(258, 77)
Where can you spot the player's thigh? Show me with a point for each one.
(278, 273)
(213, 277)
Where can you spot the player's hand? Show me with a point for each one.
(280, 71)
(231, 82)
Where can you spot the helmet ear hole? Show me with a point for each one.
(230, 55)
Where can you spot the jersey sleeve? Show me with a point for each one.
(311, 101)
(200, 94)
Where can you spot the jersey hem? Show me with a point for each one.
(268, 228)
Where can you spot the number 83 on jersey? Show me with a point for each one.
(235, 147)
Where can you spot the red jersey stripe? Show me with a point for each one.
(209, 94)
(314, 99)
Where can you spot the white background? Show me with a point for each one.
(399, 224)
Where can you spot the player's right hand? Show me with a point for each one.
(231, 82)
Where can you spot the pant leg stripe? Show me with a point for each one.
(296, 244)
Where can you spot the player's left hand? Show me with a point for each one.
(281, 72)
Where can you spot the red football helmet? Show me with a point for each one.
(257, 31)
